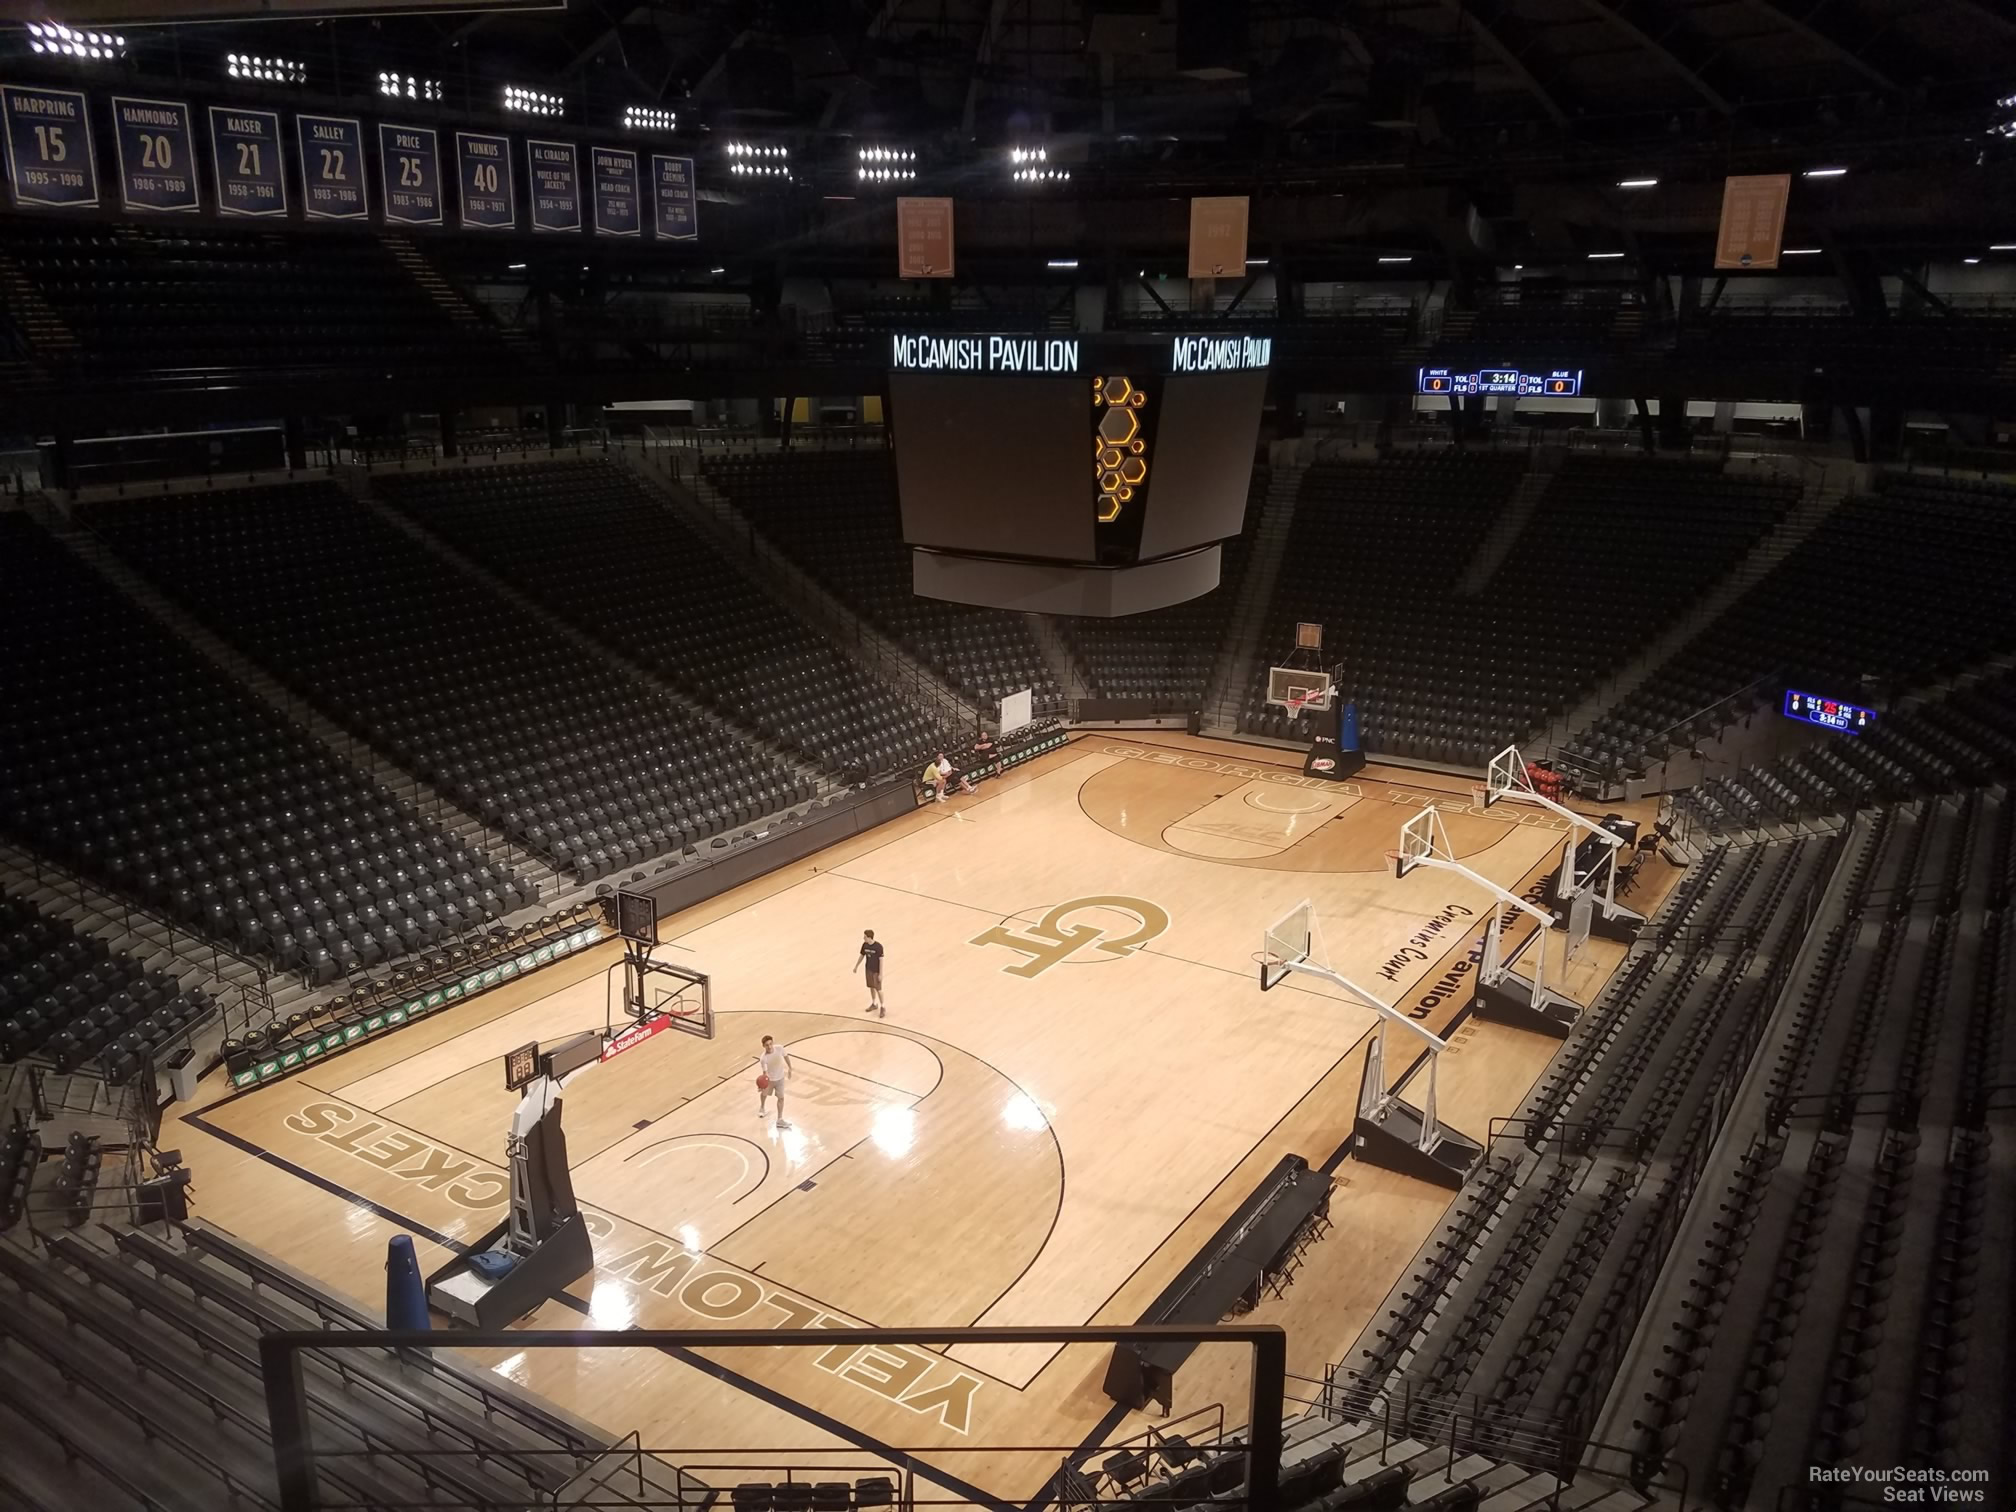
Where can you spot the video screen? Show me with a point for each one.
(1202, 463)
(995, 465)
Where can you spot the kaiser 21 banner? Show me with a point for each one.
(245, 151)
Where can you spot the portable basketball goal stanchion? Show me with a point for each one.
(1503, 995)
(1589, 893)
(543, 1245)
(649, 1006)
(1390, 1131)
(1302, 684)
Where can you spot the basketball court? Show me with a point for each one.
(1077, 1081)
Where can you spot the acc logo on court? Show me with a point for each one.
(1055, 938)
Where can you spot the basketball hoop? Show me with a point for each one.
(1393, 858)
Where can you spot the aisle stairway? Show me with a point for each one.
(1244, 639)
(1821, 497)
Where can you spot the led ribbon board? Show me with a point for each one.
(1556, 383)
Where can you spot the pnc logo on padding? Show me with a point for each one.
(1056, 937)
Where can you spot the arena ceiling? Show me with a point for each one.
(1290, 76)
(1363, 122)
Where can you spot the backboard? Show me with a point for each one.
(1418, 840)
(1286, 943)
(1505, 774)
(1299, 688)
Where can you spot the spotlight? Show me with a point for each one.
(532, 101)
(265, 70)
(1824, 173)
(649, 118)
(1638, 183)
(407, 87)
(56, 39)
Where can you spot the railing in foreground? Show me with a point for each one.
(1245, 1474)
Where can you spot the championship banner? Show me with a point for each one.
(617, 212)
(245, 150)
(924, 238)
(1218, 236)
(50, 159)
(332, 167)
(409, 165)
(675, 199)
(155, 141)
(489, 200)
(556, 185)
(1753, 220)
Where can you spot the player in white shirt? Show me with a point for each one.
(773, 1070)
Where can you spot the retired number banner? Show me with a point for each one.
(489, 202)
(156, 147)
(245, 151)
(50, 160)
(409, 162)
(332, 167)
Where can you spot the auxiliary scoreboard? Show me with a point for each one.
(1557, 383)
(1828, 713)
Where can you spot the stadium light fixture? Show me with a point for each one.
(515, 267)
(1824, 173)
(884, 165)
(1638, 183)
(1603, 256)
(1061, 262)
(758, 160)
(1798, 251)
(649, 118)
(2002, 246)
(1256, 262)
(717, 272)
(407, 87)
(265, 70)
(54, 38)
(1970, 260)
(1407, 259)
(532, 101)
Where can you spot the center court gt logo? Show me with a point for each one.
(1054, 938)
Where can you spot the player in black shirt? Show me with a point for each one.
(871, 952)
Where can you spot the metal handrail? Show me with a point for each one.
(282, 1358)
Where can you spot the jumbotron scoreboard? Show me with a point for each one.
(1555, 383)
(1073, 474)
